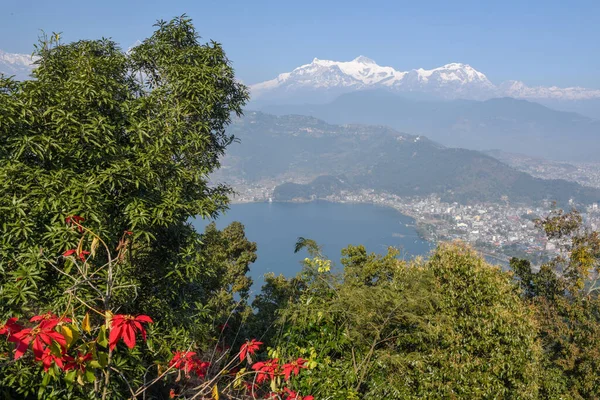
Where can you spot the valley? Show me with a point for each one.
(453, 194)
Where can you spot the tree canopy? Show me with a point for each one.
(124, 141)
(449, 327)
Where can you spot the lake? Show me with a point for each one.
(275, 227)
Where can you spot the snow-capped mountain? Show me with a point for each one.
(450, 81)
(359, 73)
(518, 89)
(19, 65)
(326, 79)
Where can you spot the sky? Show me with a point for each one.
(539, 42)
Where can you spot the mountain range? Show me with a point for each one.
(454, 80)
(455, 105)
(506, 124)
(322, 80)
(317, 158)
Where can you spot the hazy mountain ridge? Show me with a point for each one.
(503, 123)
(376, 157)
(586, 174)
(450, 81)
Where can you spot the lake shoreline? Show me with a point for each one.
(415, 223)
(419, 228)
(276, 226)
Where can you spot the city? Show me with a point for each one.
(498, 230)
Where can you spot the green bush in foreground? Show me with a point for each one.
(449, 327)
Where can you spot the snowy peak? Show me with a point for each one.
(19, 65)
(456, 73)
(453, 80)
(466, 72)
(363, 60)
(518, 89)
(450, 80)
(360, 73)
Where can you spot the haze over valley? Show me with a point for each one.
(449, 191)
(505, 123)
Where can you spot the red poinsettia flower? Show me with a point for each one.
(81, 254)
(293, 367)
(187, 362)
(266, 369)
(77, 363)
(201, 368)
(42, 335)
(48, 357)
(43, 317)
(125, 327)
(249, 347)
(49, 316)
(10, 327)
(183, 360)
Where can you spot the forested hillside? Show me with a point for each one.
(503, 123)
(376, 157)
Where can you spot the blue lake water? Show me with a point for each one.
(275, 227)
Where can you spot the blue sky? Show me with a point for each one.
(540, 42)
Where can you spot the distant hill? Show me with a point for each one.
(589, 108)
(294, 147)
(584, 173)
(506, 124)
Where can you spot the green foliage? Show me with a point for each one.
(489, 348)
(310, 245)
(563, 294)
(127, 141)
(450, 327)
(229, 253)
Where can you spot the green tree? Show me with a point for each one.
(449, 327)
(126, 140)
(563, 293)
(229, 253)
